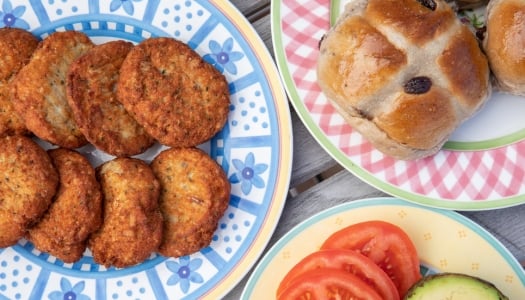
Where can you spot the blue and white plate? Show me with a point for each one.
(254, 148)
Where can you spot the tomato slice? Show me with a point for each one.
(386, 244)
(328, 283)
(350, 261)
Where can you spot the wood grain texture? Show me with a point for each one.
(310, 159)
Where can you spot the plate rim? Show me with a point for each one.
(262, 238)
(283, 147)
(344, 160)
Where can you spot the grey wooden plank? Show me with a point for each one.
(250, 7)
(309, 158)
(340, 188)
(507, 224)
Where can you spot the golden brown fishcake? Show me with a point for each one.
(91, 95)
(194, 195)
(16, 47)
(28, 183)
(180, 99)
(132, 226)
(68, 253)
(39, 89)
(11, 230)
(76, 210)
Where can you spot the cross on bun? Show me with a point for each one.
(403, 73)
(504, 44)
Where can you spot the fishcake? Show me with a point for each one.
(16, 47)
(195, 192)
(180, 99)
(28, 183)
(91, 85)
(11, 229)
(76, 210)
(39, 89)
(132, 222)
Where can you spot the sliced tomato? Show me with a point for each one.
(347, 260)
(328, 283)
(386, 244)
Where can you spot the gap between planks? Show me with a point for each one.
(303, 186)
(258, 11)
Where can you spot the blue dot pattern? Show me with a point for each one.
(57, 9)
(249, 113)
(26, 273)
(181, 19)
(129, 287)
(17, 275)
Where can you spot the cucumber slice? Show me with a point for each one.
(454, 286)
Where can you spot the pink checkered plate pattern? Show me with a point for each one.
(481, 167)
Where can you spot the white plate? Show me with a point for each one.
(481, 167)
(445, 240)
(257, 137)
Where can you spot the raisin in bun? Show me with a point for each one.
(403, 73)
(504, 44)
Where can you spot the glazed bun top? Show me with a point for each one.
(504, 44)
(404, 73)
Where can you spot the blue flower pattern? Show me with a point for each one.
(12, 17)
(248, 173)
(184, 272)
(223, 57)
(69, 292)
(127, 5)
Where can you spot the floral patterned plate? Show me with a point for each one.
(254, 148)
(445, 241)
(481, 166)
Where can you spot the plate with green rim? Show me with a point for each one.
(481, 166)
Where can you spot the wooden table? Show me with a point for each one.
(318, 182)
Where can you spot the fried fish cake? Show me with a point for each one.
(16, 47)
(39, 89)
(132, 226)
(28, 183)
(194, 195)
(180, 99)
(76, 210)
(91, 95)
(11, 229)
